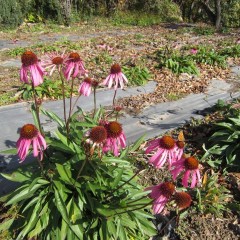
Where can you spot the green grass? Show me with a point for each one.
(7, 98)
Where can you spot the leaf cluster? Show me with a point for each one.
(137, 75)
(81, 194)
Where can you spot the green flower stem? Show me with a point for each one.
(75, 103)
(64, 97)
(80, 171)
(37, 110)
(95, 101)
(114, 97)
(70, 106)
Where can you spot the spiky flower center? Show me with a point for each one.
(29, 58)
(28, 131)
(167, 189)
(114, 129)
(98, 134)
(115, 68)
(191, 163)
(74, 57)
(182, 199)
(180, 144)
(167, 142)
(57, 60)
(88, 80)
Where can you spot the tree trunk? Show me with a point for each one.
(218, 14)
(208, 11)
(66, 11)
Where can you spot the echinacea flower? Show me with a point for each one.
(179, 149)
(29, 135)
(116, 138)
(85, 87)
(53, 61)
(97, 137)
(74, 66)
(165, 147)
(161, 194)
(31, 68)
(182, 199)
(193, 51)
(116, 77)
(190, 167)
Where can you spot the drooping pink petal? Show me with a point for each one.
(186, 178)
(159, 204)
(194, 179)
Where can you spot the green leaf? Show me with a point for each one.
(137, 144)
(31, 222)
(65, 141)
(54, 117)
(115, 160)
(106, 212)
(63, 211)
(65, 173)
(15, 177)
(103, 230)
(117, 178)
(12, 151)
(24, 194)
(6, 224)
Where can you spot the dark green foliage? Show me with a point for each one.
(176, 62)
(137, 75)
(10, 13)
(48, 9)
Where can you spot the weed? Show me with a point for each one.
(175, 62)
(103, 57)
(16, 51)
(137, 75)
(209, 56)
(204, 30)
(212, 197)
(7, 98)
(173, 96)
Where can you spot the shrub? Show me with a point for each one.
(10, 13)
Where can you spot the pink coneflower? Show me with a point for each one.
(193, 51)
(161, 195)
(116, 138)
(29, 134)
(165, 147)
(115, 77)
(74, 66)
(53, 61)
(182, 199)
(31, 66)
(190, 167)
(179, 150)
(85, 87)
(97, 136)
